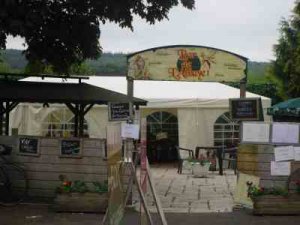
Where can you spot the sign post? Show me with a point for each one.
(114, 153)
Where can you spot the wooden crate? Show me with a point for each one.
(277, 205)
(81, 202)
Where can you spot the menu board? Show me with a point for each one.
(70, 147)
(286, 133)
(28, 146)
(118, 111)
(245, 108)
(255, 132)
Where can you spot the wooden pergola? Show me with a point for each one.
(78, 97)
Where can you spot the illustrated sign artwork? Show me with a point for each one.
(244, 108)
(118, 111)
(70, 147)
(28, 146)
(187, 63)
(114, 154)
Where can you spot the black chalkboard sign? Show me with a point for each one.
(28, 146)
(70, 147)
(118, 111)
(245, 109)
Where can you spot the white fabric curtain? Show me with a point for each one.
(196, 126)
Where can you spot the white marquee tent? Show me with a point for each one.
(197, 106)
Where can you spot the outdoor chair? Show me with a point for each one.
(184, 154)
(230, 155)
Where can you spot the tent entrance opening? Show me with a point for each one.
(162, 136)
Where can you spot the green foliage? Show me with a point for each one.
(101, 187)
(66, 32)
(257, 72)
(285, 70)
(79, 186)
(254, 191)
(265, 89)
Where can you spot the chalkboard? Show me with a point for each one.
(118, 111)
(70, 147)
(245, 109)
(28, 146)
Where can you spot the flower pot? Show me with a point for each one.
(276, 205)
(81, 202)
(200, 170)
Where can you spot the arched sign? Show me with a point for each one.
(187, 63)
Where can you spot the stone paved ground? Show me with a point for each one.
(41, 215)
(183, 193)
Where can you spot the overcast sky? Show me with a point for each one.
(246, 27)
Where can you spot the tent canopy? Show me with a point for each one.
(171, 94)
(290, 107)
(23, 91)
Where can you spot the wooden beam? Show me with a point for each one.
(1, 117)
(87, 109)
(71, 107)
(7, 118)
(81, 119)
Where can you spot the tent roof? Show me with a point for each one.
(171, 93)
(24, 91)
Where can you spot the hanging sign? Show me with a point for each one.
(130, 131)
(244, 108)
(70, 148)
(118, 111)
(28, 146)
(187, 63)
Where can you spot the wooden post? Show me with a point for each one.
(81, 119)
(76, 120)
(1, 117)
(243, 83)
(243, 88)
(7, 111)
(130, 97)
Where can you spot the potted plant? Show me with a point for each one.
(78, 197)
(274, 201)
(200, 167)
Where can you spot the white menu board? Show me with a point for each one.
(284, 153)
(256, 132)
(285, 133)
(280, 168)
(297, 153)
(130, 131)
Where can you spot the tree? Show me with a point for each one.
(286, 68)
(66, 32)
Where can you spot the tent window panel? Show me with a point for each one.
(226, 131)
(60, 123)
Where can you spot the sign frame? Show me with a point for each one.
(195, 63)
(79, 155)
(110, 111)
(28, 153)
(258, 110)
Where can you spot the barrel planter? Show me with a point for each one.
(276, 204)
(81, 202)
